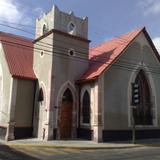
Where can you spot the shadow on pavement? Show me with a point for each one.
(8, 153)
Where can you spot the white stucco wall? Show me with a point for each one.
(24, 103)
(5, 89)
(117, 84)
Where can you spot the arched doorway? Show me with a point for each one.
(143, 112)
(65, 121)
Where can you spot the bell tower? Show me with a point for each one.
(65, 22)
(61, 58)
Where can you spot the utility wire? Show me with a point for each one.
(47, 37)
(31, 10)
(119, 38)
(80, 59)
(61, 42)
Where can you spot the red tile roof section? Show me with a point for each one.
(19, 55)
(102, 56)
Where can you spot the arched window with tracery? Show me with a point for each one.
(86, 108)
(143, 112)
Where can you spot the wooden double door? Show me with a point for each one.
(65, 119)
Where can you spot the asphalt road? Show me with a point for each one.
(33, 153)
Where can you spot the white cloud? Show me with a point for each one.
(156, 42)
(150, 6)
(11, 11)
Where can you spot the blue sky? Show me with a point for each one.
(107, 18)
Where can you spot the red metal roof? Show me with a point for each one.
(19, 55)
(102, 56)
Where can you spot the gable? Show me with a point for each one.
(139, 54)
(147, 46)
(104, 55)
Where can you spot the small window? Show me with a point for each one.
(41, 53)
(71, 52)
(41, 95)
(71, 28)
(45, 28)
(86, 108)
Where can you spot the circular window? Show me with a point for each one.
(71, 28)
(71, 52)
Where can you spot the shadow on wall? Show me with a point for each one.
(39, 109)
(96, 61)
(36, 111)
(7, 153)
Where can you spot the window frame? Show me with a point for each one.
(46, 28)
(74, 30)
(42, 53)
(71, 50)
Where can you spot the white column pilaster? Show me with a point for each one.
(11, 111)
(97, 123)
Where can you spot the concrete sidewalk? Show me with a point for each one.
(80, 144)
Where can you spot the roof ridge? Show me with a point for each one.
(118, 37)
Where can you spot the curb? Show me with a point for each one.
(74, 147)
(152, 145)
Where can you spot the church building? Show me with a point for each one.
(56, 87)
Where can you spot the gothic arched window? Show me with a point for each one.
(143, 113)
(86, 108)
(45, 28)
